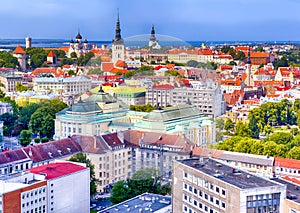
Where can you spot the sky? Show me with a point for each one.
(189, 20)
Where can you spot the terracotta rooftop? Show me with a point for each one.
(51, 54)
(19, 50)
(287, 163)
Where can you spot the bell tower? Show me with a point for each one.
(118, 44)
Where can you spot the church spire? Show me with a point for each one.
(248, 56)
(118, 29)
(152, 37)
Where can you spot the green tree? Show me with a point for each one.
(20, 87)
(25, 114)
(120, 192)
(242, 129)
(229, 143)
(232, 63)
(68, 61)
(229, 125)
(220, 123)
(96, 71)
(8, 60)
(82, 158)
(253, 127)
(270, 148)
(192, 63)
(294, 153)
(73, 55)
(260, 49)
(25, 137)
(8, 122)
(280, 137)
(240, 56)
(71, 73)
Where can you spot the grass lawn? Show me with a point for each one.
(93, 211)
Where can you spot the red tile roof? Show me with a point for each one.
(287, 163)
(163, 86)
(205, 152)
(107, 66)
(259, 54)
(39, 71)
(51, 54)
(57, 170)
(19, 50)
(112, 140)
(121, 63)
(13, 156)
(51, 150)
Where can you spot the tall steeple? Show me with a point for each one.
(248, 56)
(118, 29)
(152, 37)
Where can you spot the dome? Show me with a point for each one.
(71, 41)
(78, 36)
(85, 41)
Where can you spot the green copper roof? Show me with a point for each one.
(101, 97)
(84, 107)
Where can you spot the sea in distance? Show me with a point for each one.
(9, 44)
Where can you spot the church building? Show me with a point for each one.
(79, 47)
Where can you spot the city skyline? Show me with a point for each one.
(191, 20)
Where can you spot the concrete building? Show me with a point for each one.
(5, 108)
(207, 185)
(145, 203)
(23, 192)
(10, 80)
(72, 86)
(156, 150)
(68, 187)
(185, 120)
(292, 199)
(207, 97)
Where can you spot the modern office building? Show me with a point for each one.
(208, 185)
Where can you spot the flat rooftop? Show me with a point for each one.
(292, 190)
(228, 174)
(142, 203)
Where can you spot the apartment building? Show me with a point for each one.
(208, 185)
(68, 186)
(209, 99)
(110, 157)
(10, 80)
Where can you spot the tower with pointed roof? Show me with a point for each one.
(153, 43)
(118, 44)
(20, 54)
(249, 80)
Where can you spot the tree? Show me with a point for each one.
(42, 122)
(82, 158)
(260, 49)
(240, 56)
(232, 63)
(192, 63)
(25, 114)
(253, 127)
(280, 137)
(8, 60)
(294, 153)
(25, 137)
(220, 123)
(229, 125)
(20, 87)
(120, 192)
(73, 55)
(242, 129)
(269, 148)
(8, 122)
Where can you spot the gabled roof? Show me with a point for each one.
(51, 150)
(163, 86)
(112, 140)
(287, 163)
(205, 152)
(107, 66)
(259, 54)
(19, 50)
(39, 71)
(91, 144)
(13, 156)
(121, 63)
(51, 54)
(57, 170)
(139, 138)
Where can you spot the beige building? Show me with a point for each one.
(10, 80)
(207, 185)
(71, 86)
(110, 157)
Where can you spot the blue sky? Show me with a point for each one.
(190, 20)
